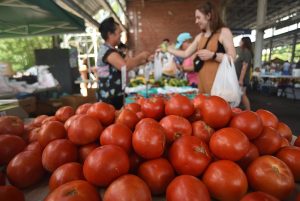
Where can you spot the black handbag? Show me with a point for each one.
(198, 63)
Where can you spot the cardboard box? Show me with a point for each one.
(28, 104)
(48, 107)
(14, 111)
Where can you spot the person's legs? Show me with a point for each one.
(245, 100)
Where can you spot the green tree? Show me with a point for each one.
(20, 51)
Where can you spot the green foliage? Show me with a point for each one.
(20, 51)
(284, 53)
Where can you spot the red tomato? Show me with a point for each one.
(291, 156)
(11, 193)
(297, 142)
(199, 100)
(33, 135)
(271, 175)
(96, 169)
(216, 112)
(35, 147)
(134, 161)
(50, 131)
(11, 125)
(236, 111)
(186, 187)
(202, 131)
(70, 120)
(196, 116)
(82, 109)
(268, 142)
(249, 123)
(140, 115)
(104, 112)
(285, 131)
(85, 150)
(157, 174)
(153, 108)
(189, 155)
(10, 145)
(117, 134)
(50, 118)
(257, 196)
(25, 169)
(229, 144)
(2, 178)
(74, 191)
(175, 127)
(130, 188)
(64, 113)
(225, 180)
(128, 118)
(268, 118)
(57, 153)
(133, 107)
(39, 119)
(250, 156)
(148, 140)
(298, 197)
(84, 130)
(179, 105)
(146, 121)
(65, 173)
(284, 142)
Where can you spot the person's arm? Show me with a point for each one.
(116, 60)
(226, 39)
(188, 52)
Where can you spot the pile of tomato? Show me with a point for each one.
(182, 149)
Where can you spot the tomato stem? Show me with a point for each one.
(276, 170)
(72, 192)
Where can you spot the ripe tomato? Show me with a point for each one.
(196, 116)
(127, 118)
(85, 150)
(153, 108)
(225, 180)
(146, 121)
(34, 135)
(25, 169)
(202, 131)
(104, 112)
(179, 105)
(157, 174)
(96, 169)
(199, 100)
(57, 153)
(50, 118)
(133, 107)
(50, 131)
(70, 120)
(74, 190)
(35, 147)
(10, 145)
(148, 140)
(250, 156)
(11, 193)
(175, 127)
(130, 188)
(82, 109)
(186, 187)
(268, 142)
(297, 142)
(271, 175)
(229, 144)
(256, 196)
(285, 131)
(291, 156)
(11, 125)
(216, 112)
(65, 173)
(249, 123)
(117, 134)
(64, 113)
(39, 119)
(284, 142)
(236, 111)
(189, 155)
(84, 130)
(268, 118)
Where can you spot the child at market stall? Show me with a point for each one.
(210, 45)
(112, 67)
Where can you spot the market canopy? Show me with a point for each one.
(19, 18)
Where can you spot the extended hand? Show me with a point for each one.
(205, 54)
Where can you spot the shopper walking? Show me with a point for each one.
(243, 64)
(213, 41)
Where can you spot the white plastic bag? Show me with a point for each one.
(226, 84)
(158, 66)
